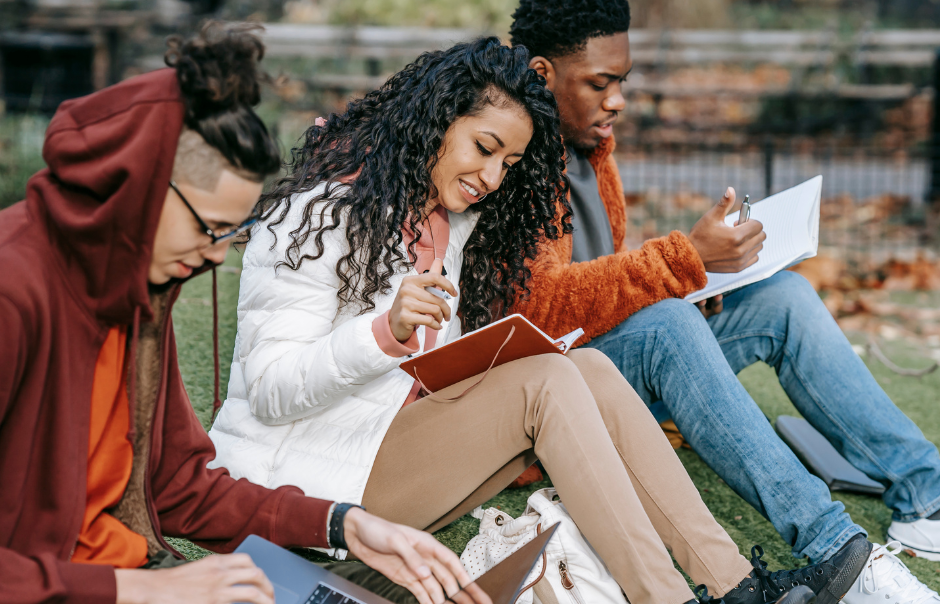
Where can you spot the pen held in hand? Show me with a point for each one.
(438, 292)
(745, 214)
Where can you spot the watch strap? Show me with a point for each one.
(336, 535)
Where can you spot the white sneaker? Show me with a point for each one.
(920, 538)
(886, 580)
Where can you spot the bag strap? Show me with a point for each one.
(539, 581)
(433, 396)
(544, 592)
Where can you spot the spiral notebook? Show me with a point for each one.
(475, 353)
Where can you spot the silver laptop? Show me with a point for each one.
(299, 581)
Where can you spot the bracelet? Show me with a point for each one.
(336, 536)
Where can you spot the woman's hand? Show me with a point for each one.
(411, 558)
(212, 580)
(413, 306)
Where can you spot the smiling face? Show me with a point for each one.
(181, 245)
(476, 154)
(587, 88)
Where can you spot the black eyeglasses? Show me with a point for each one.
(224, 233)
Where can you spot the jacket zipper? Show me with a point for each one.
(567, 582)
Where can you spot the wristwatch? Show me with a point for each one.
(335, 537)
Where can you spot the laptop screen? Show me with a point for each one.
(327, 595)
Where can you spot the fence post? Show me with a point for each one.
(933, 192)
(768, 165)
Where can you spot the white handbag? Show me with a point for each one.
(570, 571)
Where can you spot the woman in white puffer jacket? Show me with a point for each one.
(449, 174)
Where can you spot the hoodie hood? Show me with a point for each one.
(110, 157)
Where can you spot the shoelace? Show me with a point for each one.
(701, 594)
(767, 584)
(909, 589)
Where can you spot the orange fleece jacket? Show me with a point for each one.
(598, 295)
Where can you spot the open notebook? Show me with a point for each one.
(791, 221)
(476, 352)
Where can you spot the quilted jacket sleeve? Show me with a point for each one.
(295, 359)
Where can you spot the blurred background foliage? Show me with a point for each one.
(494, 15)
(21, 138)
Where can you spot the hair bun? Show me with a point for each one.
(217, 68)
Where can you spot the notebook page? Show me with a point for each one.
(791, 221)
(568, 341)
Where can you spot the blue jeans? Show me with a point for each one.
(685, 368)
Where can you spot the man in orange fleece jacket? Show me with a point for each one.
(683, 358)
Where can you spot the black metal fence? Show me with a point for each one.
(874, 201)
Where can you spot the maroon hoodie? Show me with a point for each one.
(74, 260)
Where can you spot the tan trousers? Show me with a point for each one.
(620, 479)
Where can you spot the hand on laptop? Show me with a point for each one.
(723, 248)
(217, 579)
(412, 558)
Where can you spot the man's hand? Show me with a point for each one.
(726, 249)
(212, 580)
(711, 306)
(411, 558)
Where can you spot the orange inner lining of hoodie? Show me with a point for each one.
(103, 538)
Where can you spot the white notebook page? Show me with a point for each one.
(791, 221)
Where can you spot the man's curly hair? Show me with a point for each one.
(220, 81)
(555, 28)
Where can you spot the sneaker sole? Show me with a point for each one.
(836, 589)
(914, 552)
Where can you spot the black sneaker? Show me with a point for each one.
(798, 595)
(829, 580)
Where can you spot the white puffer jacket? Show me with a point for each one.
(311, 394)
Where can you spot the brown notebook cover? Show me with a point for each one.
(473, 353)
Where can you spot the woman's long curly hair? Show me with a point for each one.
(387, 144)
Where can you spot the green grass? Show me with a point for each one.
(917, 397)
(21, 139)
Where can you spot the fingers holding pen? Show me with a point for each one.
(414, 305)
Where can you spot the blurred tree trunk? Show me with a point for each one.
(676, 14)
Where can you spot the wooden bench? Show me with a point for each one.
(897, 47)
(700, 47)
(653, 52)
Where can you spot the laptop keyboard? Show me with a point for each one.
(327, 595)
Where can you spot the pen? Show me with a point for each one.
(438, 292)
(745, 213)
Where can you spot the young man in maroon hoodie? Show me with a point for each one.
(101, 454)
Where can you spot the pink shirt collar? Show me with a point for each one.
(434, 238)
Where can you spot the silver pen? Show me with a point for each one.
(745, 214)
